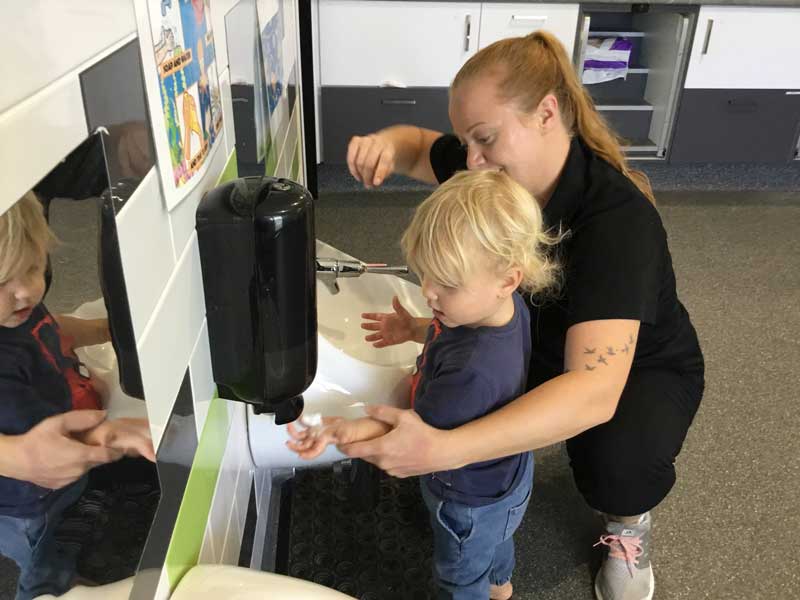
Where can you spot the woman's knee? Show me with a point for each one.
(627, 466)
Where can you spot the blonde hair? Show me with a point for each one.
(24, 236)
(480, 214)
(533, 66)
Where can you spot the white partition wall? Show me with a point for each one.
(43, 118)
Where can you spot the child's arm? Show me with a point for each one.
(312, 441)
(421, 326)
(84, 332)
(130, 436)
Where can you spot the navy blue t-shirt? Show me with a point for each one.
(39, 377)
(463, 374)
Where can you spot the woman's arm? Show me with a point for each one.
(49, 455)
(402, 149)
(84, 332)
(586, 395)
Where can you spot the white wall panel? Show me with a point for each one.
(170, 336)
(45, 39)
(182, 217)
(37, 134)
(220, 8)
(145, 244)
(208, 554)
(222, 504)
(227, 111)
(233, 540)
(202, 380)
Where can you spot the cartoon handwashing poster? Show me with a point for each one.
(183, 44)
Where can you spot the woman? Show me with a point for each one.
(616, 370)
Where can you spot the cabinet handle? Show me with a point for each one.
(468, 31)
(399, 102)
(742, 106)
(527, 19)
(709, 27)
(793, 93)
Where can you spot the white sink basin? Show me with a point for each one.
(212, 582)
(350, 371)
(101, 360)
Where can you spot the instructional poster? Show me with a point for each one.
(190, 98)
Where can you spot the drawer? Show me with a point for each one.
(410, 43)
(349, 111)
(499, 21)
(745, 47)
(759, 126)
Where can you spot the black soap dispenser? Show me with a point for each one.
(258, 259)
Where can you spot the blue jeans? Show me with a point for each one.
(30, 543)
(473, 546)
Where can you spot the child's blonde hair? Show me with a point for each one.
(480, 214)
(25, 236)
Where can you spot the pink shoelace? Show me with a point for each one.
(628, 549)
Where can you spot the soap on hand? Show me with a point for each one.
(312, 422)
(311, 419)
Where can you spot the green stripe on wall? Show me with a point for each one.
(231, 170)
(295, 170)
(190, 525)
(272, 161)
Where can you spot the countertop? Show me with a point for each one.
(775, 3)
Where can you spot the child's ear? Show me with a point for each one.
(510, 282)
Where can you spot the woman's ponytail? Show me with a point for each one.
(536, 65)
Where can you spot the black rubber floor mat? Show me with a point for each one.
(371, 554)
(107, 528)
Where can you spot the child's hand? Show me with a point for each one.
(392, 328)
(312, 441)
(131, 436)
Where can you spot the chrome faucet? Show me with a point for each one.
(330, 269)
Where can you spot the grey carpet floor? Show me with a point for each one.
(729, 528)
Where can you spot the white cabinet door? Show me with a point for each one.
(500, 21)
(745, 47)
(395, 43)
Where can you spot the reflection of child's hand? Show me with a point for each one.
(84, 332)
(132, 436)
(312, 441)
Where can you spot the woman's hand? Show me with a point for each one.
(49, 454)
(410, 448)
(392, 328)
(371, 158)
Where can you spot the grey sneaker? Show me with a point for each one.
(626, 573)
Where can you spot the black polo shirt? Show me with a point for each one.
(616, 265)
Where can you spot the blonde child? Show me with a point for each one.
(40, 380)
(473, 242)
